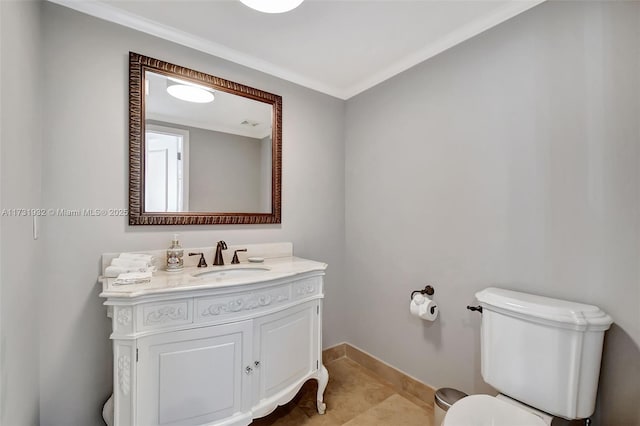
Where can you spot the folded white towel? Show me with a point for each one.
(133, 278)
(114, 271)
(129, 263)
(137, 256)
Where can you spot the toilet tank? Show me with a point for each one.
(541, 351)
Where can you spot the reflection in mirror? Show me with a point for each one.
(210, 153)
(166, 161)
(202, 149)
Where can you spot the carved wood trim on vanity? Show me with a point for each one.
(220, 306)
(124, 316)
(124, 373)
(166, 314)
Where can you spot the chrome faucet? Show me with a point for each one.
(218, 260)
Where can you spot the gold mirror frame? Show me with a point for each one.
(138, 64)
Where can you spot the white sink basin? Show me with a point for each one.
(232, 272)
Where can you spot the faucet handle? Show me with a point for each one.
(235, 259)
(201, 263)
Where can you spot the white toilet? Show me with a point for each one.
(537, 351)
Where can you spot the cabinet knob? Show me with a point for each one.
(248, 370)
(257, 363)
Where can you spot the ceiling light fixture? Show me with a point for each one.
(272, 6)
(188, 91)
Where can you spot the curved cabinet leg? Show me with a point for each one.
(323, 379)
(107, 411)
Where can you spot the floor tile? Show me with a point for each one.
(355, 396)
(419, 402)
(353, 390)
(393, 411)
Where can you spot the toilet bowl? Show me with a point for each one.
(486, 410)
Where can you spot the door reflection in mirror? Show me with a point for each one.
(166, 169)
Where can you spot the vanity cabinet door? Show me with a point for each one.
(285, 349)
(194, 377)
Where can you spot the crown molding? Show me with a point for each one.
(118, 16)
(139, 23)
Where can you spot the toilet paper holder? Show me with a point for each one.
(428, 290)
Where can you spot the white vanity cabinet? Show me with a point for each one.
(285, 349)
(212, 353)
(193, 377)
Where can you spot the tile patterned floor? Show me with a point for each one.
(354, 396)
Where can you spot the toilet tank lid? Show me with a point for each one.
(564, 313)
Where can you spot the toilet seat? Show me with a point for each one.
(486, 410)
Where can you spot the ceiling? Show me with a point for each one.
(338, 47)
(229, 113)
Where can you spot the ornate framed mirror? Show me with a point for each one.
(202, 149)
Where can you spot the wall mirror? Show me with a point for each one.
(202, 149)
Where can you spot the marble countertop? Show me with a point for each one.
(164, 282)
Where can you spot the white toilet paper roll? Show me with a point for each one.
(428, 311)
(414, 307)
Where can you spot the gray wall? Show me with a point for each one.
(224, 176)
(224, 171)
(85, 144)
(510, 160)
(20, 153)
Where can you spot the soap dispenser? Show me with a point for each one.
(175, 254)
